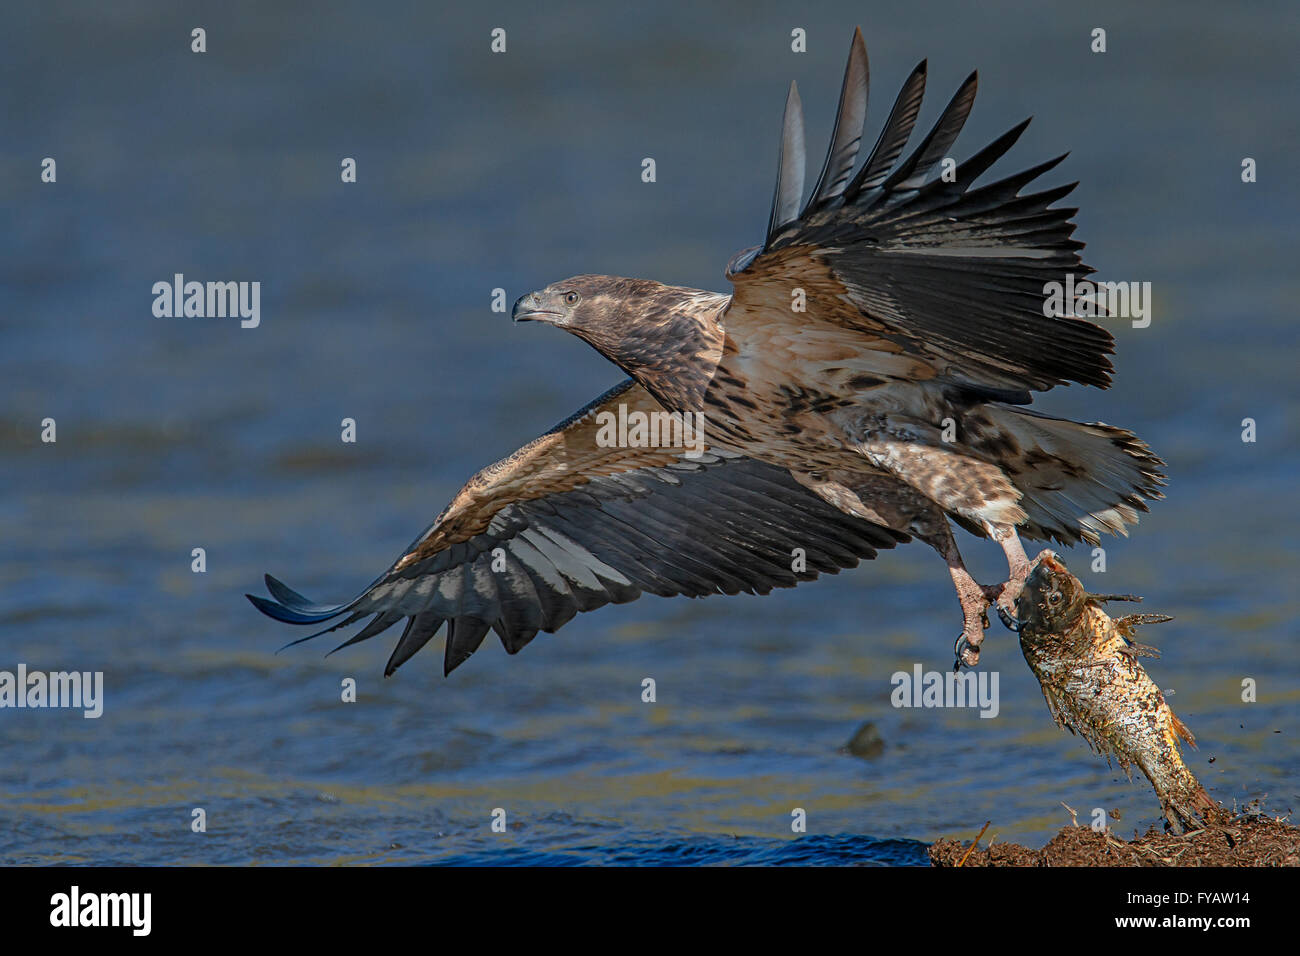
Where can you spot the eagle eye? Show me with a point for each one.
(572, 298)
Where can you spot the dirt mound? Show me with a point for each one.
(1241, 841)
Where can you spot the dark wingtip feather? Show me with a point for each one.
(279, 612)
(893, 135)
(911, 173)
(378, 624)
(333, 627)
(419, 630)
(294, 601)
(269, 608)
(850, 120)
(464, 635)
(287, 595)
(790, 166)
(974, 167)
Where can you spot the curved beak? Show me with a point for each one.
(532, 308)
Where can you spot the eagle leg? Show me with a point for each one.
(1018, 567)
(975, 600)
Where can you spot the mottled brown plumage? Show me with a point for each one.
(864, 382)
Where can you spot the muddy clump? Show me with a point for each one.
(1223, 841)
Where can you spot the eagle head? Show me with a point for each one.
(581, 304)
(652, 331)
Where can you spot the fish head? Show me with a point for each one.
(1052, 599)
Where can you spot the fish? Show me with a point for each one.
(1087, 664)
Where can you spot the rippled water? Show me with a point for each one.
(477, 172)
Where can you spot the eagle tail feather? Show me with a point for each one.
(1078, 479)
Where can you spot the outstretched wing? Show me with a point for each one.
(566, 525)
(951, 275)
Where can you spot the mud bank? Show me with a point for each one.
(1227, 841)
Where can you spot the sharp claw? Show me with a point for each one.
(1008, 619)
(967, 653)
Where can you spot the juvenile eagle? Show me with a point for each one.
(864, 383)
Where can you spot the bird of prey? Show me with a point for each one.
(865, 382)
